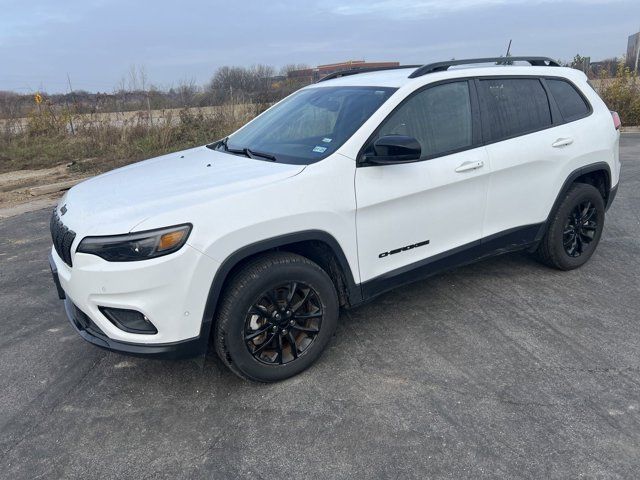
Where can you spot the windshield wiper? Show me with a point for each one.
(266, 156)
(251, 153)
(242, 151)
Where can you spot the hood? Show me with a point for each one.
(117, 201)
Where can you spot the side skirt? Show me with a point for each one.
(519, 238)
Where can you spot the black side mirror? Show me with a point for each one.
(392, 149)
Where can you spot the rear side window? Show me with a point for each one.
(513, 106)
(438, 117)
(571, 104)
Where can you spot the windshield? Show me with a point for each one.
(307, 126)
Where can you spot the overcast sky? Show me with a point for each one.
(97, 41)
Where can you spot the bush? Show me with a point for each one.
(622, 95)
(46, 122)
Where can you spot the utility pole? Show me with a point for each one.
(635, 69)
(73, 132)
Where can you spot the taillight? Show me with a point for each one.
(616, 120)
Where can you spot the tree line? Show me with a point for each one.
(260, 84)
(257, 84)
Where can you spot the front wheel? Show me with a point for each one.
(276, 317)
(574, 231)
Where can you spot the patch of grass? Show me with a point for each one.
(47, 142)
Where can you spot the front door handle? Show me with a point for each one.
(466, 166)
(562, 142)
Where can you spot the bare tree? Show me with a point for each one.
(142, 73)
(292, 67)
(133, 78)
(187, 91)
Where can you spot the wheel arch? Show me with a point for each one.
(597, 174)
(316, 245)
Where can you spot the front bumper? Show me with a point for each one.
(171, 291)
(92, 334)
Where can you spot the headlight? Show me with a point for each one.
(137, 246)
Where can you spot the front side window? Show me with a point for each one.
(310, 124)
(512, 106)
(571, 104)
(438, 117)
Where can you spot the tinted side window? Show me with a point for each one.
(571, 104)
(438, 117)
(514, 106)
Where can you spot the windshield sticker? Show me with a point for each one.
(319, 149)
(326, 140)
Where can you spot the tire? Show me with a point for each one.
(574, 230)
(277, 291)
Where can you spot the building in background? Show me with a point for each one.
(633, 51)
(310, 75)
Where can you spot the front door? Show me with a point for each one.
(407, 214)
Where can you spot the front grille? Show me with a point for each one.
(62, 238)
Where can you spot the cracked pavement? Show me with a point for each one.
(499, 369)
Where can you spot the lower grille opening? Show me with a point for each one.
(82, 321)
(130, 321)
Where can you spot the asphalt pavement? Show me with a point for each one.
(502, 369)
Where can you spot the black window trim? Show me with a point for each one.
(578, 91)
(485, 122)
(478, 133)
(556, 117)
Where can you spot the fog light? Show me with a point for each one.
(129, 320)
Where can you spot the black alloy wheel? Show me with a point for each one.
(574, 228)
(580, 229)
(276, 316)
(283, 323)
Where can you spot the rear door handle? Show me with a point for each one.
(562, 142)
(466, 166)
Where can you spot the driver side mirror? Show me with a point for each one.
(392, 149)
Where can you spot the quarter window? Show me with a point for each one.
(438, 117)
(513, 106)
(571, 104)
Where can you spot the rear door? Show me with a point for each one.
(528, 148)
(409, 213)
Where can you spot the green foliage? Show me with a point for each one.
(622, 94)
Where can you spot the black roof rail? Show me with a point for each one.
(443, 66)
(356, 70)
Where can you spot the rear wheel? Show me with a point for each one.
(574, 231)
(276, 317)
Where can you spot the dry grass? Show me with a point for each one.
(45, 139)
(51, 136)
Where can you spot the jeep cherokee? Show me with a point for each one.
(345, 189)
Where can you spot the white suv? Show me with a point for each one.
(349, 187)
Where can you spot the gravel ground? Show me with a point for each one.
(500, 369)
